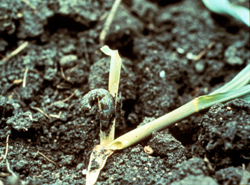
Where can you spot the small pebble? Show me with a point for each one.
(180, 50)
(148, 150)
(190, 56)
(199, 67)
(235, 60)
(68, 60)
(84, 172)
(162, 74)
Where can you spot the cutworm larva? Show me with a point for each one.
(99, 102)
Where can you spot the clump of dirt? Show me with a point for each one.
(134, 166)
(224, 134)
(166, 146)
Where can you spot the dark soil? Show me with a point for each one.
(157, 41)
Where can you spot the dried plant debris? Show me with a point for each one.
(124, 27)
(108, 21)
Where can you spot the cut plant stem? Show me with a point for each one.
(100, 154)
(107, 137)
(178, 114)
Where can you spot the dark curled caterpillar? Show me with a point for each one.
(99, 102)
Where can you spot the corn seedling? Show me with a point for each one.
(238, 87)
(99, 154)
